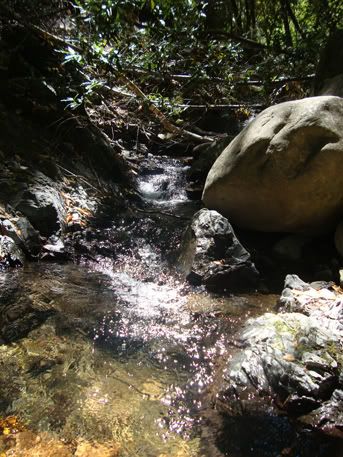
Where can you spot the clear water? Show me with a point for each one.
(166, 184)
(123, 352)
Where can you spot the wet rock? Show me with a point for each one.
(20, 312)
(29, 236)
(7, 228)
(329, 417)
(211, 254)
(317, 300)
(55, 248)
(42, 205)
(10, 253)
(293, 357)
(23, 234)
(290, 356)
(284, 171)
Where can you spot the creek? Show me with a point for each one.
(122, 349)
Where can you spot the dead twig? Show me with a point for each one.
(78, 177)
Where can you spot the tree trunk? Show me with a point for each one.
(284, 15)
(294, 19)
(216, 15)
(250, 17)
(237, 16)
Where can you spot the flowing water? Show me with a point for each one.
(122, 351)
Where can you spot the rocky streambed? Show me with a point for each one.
(118, 355)
(115, 354)
(106, 349)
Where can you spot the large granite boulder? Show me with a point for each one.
(284, 171)
(212, 255)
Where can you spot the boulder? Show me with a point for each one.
(284, 171)
(10, 254)
(42, 204)
(329, 417)
(333, 86)
(291, 357)
(212, 255)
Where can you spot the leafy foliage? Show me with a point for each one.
(205, 38)
(190, 51)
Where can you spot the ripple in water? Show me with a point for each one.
(120, 352)
(166, 185)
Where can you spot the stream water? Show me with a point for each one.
(125, 352)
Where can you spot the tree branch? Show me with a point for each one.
(156, 112)
(239, 39)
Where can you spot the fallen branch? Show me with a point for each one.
(238, 38)
(77, 177)
(163, 213)
(156, 112)
(169, 126)
(215, 79)
(234, 106)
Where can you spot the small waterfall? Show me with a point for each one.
(164, 182)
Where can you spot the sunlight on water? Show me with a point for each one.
(118, 351)
(167, 186)
(132, 370)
